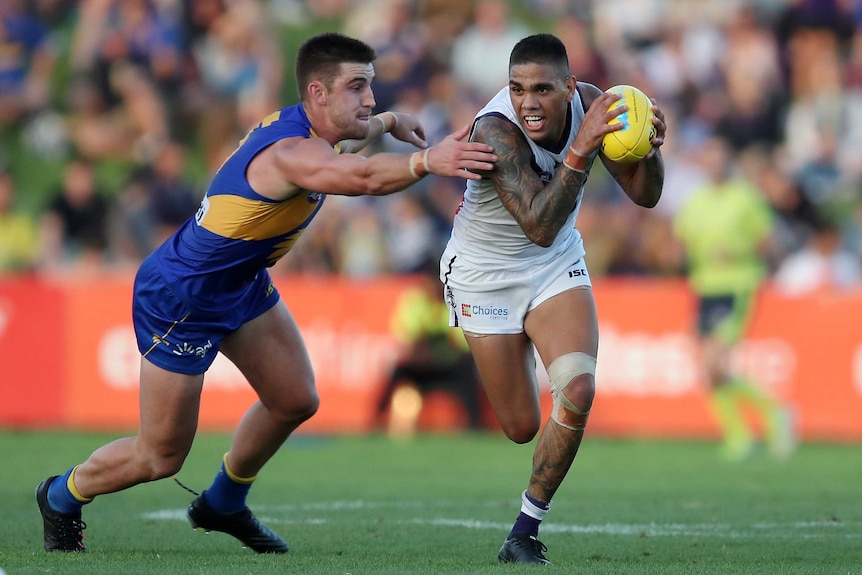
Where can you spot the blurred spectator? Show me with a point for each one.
(153, 204)
(584, 60)
(479, 54)
(238, 67)
(411, 234)
(19, 236)
(27, 61)
(434, 358)
(823, 265)
(391, 28)
(126, 60)
(75, 225)
(362, 242)
(753, 83)
(795, 215)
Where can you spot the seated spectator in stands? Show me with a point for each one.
(823, 265)
(75, 223)
(435, 358)
(18, 232)
(152, 204)
(26, 63)
(125, 58)
(238, 69)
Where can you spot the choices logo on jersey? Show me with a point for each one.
(465, 310)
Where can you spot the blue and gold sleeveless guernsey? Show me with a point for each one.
(211, 275)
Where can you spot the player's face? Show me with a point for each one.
(351, 100)
(541, 94)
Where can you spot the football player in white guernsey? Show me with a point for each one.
(513, 270)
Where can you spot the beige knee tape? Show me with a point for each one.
(562, 371)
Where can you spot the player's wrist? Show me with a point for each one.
(576, 161)
(388, 126)
(419, 167)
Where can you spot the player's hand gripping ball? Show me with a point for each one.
(634, 141)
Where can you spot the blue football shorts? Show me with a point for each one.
(176, 337)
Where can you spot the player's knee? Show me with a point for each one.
(573, 387)
(161, 465)
(521, 430)
(581, 391)
(296, 407)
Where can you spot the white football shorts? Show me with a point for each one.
(496, 302)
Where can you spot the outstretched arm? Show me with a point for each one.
(311, 164)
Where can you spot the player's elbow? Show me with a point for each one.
(648, 200)
(645, 197)
(540, 235)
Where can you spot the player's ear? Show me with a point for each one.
(317, 93)
(571, 86)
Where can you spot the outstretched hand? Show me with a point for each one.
(408, 129)
(455, 156)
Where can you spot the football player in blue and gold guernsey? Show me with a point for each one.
(207, 289)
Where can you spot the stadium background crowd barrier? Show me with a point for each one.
(82, 371)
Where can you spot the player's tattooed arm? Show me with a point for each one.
(540, 209)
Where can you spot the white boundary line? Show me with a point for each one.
(787, 530)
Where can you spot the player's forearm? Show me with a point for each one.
(645, 182)
(551, 207)
(387, 173)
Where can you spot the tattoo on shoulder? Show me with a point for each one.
(512, 174)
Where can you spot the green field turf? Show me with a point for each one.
(443, 505)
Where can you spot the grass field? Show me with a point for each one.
(443, 505)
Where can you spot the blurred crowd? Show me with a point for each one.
(147, 83)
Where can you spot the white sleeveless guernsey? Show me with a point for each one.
(485, 236)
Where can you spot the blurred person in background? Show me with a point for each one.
(478, 57)
(237, 71)
(824, 265)
(435, 358)
(514, 271)
(726, 227)
(126, 64)
(19, 236)
(156, 199)
(74, 226)
(27, 61)
(207, 289)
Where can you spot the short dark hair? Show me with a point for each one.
(540, 49)
(320, 57)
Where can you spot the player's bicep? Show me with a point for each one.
(313, 165)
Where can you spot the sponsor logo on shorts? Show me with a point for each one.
(187, 348)
(491, 312)
(184, 348)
